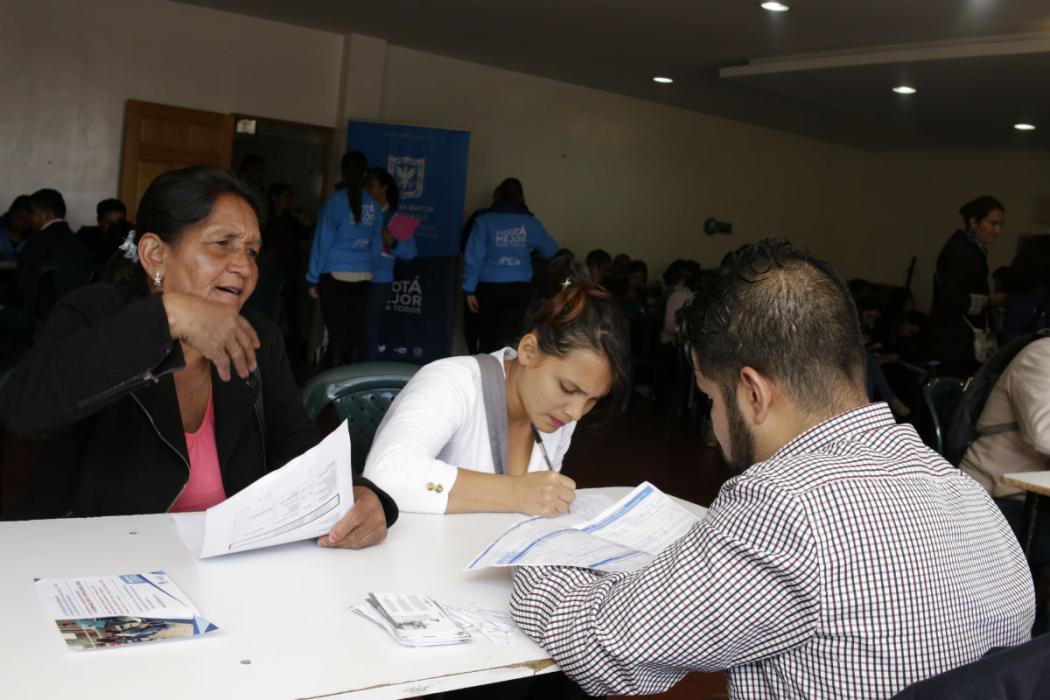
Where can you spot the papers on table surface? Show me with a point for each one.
(301, 500)
(110, 611)
(621, 536)
(413, 619)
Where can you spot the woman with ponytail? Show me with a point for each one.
(347, 240)
(487, 433)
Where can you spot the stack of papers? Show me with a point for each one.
(413, 619)
(111, 611)
(623, 536)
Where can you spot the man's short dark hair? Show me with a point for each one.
(49, 200)
(598, 257)
(774, 308)
(107, 206)
(22, 202)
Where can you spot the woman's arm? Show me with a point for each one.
(90, 354)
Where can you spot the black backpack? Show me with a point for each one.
(962, 427)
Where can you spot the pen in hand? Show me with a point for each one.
(543, 450)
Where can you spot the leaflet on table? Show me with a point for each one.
(301, 500)
(625, 536)
(112, 611)
(413, 619)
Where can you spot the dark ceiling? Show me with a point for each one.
(970, 101)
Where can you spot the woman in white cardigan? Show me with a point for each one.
(433, 451)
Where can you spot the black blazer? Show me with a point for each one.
(962, 270)
(98, 386)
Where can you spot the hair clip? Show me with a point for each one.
(130, 248)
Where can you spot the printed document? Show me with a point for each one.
(301, 500)
(111, 611)
(623, 536)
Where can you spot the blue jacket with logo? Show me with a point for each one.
(499, 247)
(383, 266)
(341, 244)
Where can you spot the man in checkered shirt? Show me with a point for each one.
(848, 562)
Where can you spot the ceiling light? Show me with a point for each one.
(904, 90)
(774, 6)
(1024, 127)
(663, 80)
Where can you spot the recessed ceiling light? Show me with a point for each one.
(904, 90)
(774, 6)
(1025, 127)
(663, 80)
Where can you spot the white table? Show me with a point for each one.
(285, 630)
(1035, 485)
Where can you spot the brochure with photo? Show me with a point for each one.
(100, 612)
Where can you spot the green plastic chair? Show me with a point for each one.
(942, 395)
(360, 393)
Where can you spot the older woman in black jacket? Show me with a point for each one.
(153, 392)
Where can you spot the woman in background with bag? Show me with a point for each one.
(960, 324)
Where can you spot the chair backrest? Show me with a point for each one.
(942, 395)
(361, 394)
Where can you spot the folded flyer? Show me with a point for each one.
(99, 612)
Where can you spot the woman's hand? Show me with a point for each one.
(543, 493)
(217, 331)
(312, 291)
(472, 303)
(388, 238)
(363, 525)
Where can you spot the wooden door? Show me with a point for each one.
(159, 138)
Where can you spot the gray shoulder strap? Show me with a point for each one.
(494, 396)
(998, 429)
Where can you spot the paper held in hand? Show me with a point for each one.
(301, 500)
(623, 536)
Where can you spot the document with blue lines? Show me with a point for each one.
(623, 536)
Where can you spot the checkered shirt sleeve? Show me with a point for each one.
(852, 563)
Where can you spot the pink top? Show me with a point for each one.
(204, 488)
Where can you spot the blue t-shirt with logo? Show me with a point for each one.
(499, 247)
(341, 244)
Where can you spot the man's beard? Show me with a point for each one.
(741, 452)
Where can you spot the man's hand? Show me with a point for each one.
(363, 525)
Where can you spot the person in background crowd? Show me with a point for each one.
(252, 172)
(154, 392)
(347, 239)
(383, 188)
(1028, 285)
(282, 258)
(52, 240)
(96, 238)
(599, 263)
(471, 321)
(818, 570)
(497, 271)
(15, 227)
(961, 295)
(1014, 429)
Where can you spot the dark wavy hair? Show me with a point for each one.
(583, 315)
(773, 307)
(979, 208)
(385, 179)
(173, 203)
(352, 167)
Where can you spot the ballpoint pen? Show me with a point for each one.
(543, 450)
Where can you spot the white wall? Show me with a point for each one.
(67, 67)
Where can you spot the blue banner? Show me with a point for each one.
(430, 168)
